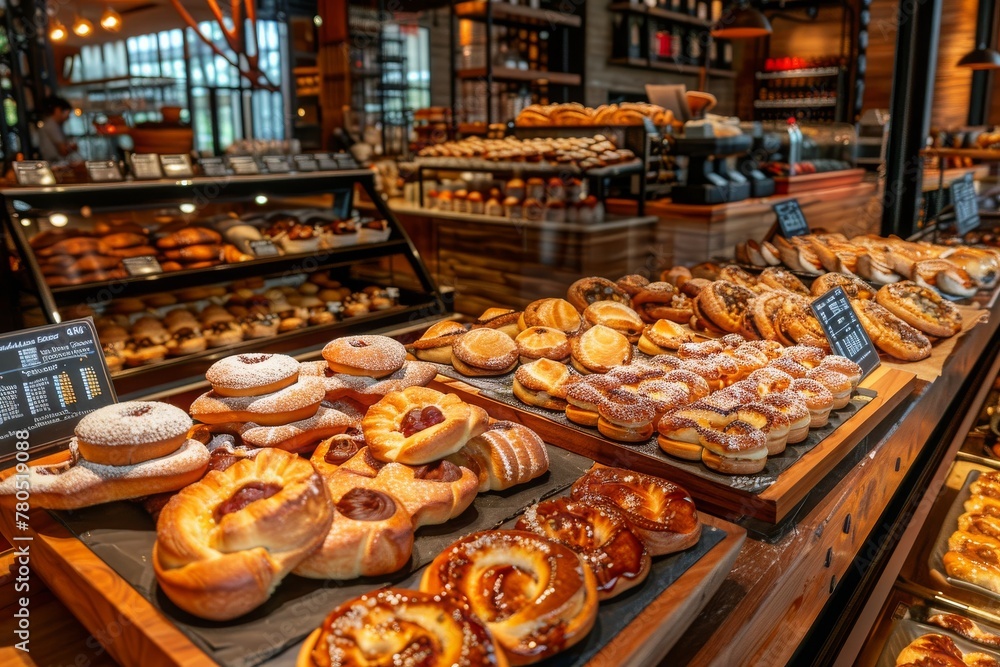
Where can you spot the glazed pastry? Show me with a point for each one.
(662, 337)
(554, 589)
(599, 349)
(370, 356)
(599, 534)
(413, 628)
(934, 650)
(435, 345)
(504, 455)
(616, 316)
(543, 383)
(484, 352)
(554, 313)
(586, 291)
(502, 319)
(921, 308)
(542, 343)
(252, 374)
(419, 425)
(661, 513)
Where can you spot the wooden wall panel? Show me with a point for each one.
(881, 54)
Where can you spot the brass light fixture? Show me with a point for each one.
(57, 31)
(111, 20)
(82, 27)
(741, 21)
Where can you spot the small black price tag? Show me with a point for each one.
(844, 331)
(212, 166)
(103, 171)
(277, 164)
(243, 165)
(146, 166)
(791, 220)
(50, 377)
(306, 163)
(177, 166)
(142, 265)
(33, 172)
(325, 162)
(963, 196)
(263, 248)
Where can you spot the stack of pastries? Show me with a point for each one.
(959, 271)
(515, 597)
(573, 114)
(974, 548)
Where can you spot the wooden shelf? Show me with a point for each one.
(476, 10)
(799, 73)
(656, 12)
(510, 74)
(803, 103)
(679, 68)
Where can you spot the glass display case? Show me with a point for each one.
(813, 148)
(177, 274)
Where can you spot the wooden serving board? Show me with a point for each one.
(771, 504)
(135, 633)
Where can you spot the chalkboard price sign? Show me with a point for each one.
(791, 220)
(963, 196)
(844, 331)
(50, 377)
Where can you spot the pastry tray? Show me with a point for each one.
(948, 526)
(121, 536)
(768, 495)
(905, 630)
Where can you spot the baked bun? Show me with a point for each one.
(662, 301)
(782, 279)
(891, 334)
(132, 432)
(599, 349)
(921, 308)
(632, 284)
(661, 513)
(616, 316)
(411, 626)
(224, 543)
(550, 587)
(586, 291)
(542, 343)
(435, 344)
(543, 383)
(484, 352)
(599, 534)
(556, 313)
(502, 319)
(419, 425)
(854, 287)
(252, 374)
(504, 455)
(663, 337)
(369, 356)
(724, 304)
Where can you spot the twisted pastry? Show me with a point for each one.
(536, 596)
(402, 627)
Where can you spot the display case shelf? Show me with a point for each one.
(803, 103)
(511, 74)
(814, 72)
(656, 12)
(476, 10)
(680, 68)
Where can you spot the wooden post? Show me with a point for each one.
(334, 62)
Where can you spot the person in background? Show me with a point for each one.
(52, 142)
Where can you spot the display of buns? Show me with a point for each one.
(561, 559)
(583, 152)
(142, 331)
(974, 548)
(573, 114)
(941, 651)
(86, 252)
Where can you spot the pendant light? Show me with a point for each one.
(981, 57)
(741, 21)
(82, 27)
(57, 31)
(111, 20)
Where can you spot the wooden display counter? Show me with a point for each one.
(493, 261)
(687, 234)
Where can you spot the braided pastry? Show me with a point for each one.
(536, 596)
(505, 455)
(225, 543)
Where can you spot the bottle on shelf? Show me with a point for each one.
(703, 10)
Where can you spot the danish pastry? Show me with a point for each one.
(662, 301)
(598, 533)
(921, 308)
(586, 291)
(504, 455)
(891, 334)
(599, 349)
(419, 425)
(661, 513)
(549, 596)
(941, 650)
(223, 544)
(435, 345)
(542, 343)
(616, 316)
(543, 383)
(367, 390)
(723, 304)
(854, 287)
(556, 313)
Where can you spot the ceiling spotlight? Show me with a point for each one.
(82, 27)
(58, 220)
(111, 20)
(57, 31)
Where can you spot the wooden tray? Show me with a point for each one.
(135, 633)
(790, 185)
(770, 504)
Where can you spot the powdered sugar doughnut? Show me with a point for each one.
(366, 390)
(302, 436)
(131, 432)
(370, 356)
(298, 401)
(252, 374)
